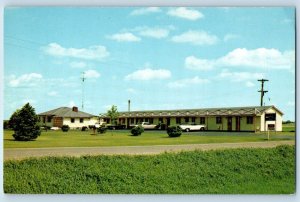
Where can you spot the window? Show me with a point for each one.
(202, 120)
(44, 119)
(270, 117)
(81, 120)
(150, 120)
(249, 119)
(146, 120)
(186, 119)
(72, 120)
(218, 120)
(49, 119)
(131, 120)
(160, 120)
(193, 120)
(178, 120)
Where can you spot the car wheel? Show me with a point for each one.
(201, 129)
(187, 130)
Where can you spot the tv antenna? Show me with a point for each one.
(82, 99)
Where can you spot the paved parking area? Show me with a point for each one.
(22, 153)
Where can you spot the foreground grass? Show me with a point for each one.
(236, 171)
(124, 138)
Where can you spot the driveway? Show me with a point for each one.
(22, 153)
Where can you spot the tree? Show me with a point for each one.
(24, 122)
(113, 114)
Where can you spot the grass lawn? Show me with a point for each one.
(124, 138)
(288, 127)
(235, 171)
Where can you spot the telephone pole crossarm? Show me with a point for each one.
(262, 91)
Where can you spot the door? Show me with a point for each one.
(238, 123)
(229, 123)
(168, 121)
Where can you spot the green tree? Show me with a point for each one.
(24, 122)
(113, 114)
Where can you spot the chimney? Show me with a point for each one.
(128, 105)
(75, 109)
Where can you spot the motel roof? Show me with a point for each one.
(66, 112)
(225, 111)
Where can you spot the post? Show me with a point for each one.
(128, 105)
(262, 91)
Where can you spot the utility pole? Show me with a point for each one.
(82, 99)
(262, 91)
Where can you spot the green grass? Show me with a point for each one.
(124, 138)
(289, 127)
(235, 171)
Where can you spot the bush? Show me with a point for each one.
(65, 128)
(84, 128)
(24, 122)
(137, 130)
(174, 131)
(102, 129)
(5, 125)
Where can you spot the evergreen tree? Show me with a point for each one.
(25, 123)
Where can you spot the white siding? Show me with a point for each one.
(277, 123)
(77, 124)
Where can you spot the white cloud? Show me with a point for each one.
(250, 84)
(260, 58)
(149, 74)
(25, 80)
(91, 53)
(127, 37)
(191, 62)
(229, 37)
(144, 11)
(195, 38)
(241, 77)
(91, 74)
(131, 90)
(52, 93)
(187, 82)
(156, 32)
(186, 13)
(78, 64)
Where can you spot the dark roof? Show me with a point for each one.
(66, 112)
(225, 111)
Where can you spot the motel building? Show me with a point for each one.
(257, 118)
(67, 116)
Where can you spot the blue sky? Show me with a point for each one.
(159, 58)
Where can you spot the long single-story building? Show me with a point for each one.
(256, 118)
(67, 116)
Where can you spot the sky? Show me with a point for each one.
(158, 57)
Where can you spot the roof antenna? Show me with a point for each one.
(82, 99)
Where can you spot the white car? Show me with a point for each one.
(190, 127)
(147, 125)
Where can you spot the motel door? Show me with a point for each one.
(168, 121)
(238, 123)
(229, 123)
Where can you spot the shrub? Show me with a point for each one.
(84, 128)
(174, 131)
(5, 125)
(102, 129)
(65, 128)
(137, 130)
(24, 122)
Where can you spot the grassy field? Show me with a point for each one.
(235, 171)
(124, 138)
(288, 127)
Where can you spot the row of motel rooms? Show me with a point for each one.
(259, 118)
(225, 119)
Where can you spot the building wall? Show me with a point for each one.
(77, 124)
(277, 123)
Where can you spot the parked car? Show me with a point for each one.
(192, 127)
(147, 125)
